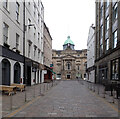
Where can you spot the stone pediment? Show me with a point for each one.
(68, 56)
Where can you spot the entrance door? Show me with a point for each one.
(35, 76)
(38, 77)
(5, 72)
(28, 76)
(17, 72)
(68, 76)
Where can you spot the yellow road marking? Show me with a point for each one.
(113, 107)
(22, 107)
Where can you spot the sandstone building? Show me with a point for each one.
(47, 48)
(69, 63)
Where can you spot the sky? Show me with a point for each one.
(69, 18)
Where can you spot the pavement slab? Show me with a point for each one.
(68, 99)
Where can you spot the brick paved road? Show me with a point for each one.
(68, 99)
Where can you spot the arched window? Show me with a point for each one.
(68, 65)
(17, 72)
(5, 72)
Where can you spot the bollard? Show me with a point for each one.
(47, 86)
(25, 96)
(104, 93)
(11, 102)
(34, 91)
(40, 88)
(113, 101)
(44, 87)
(90, 86)
(94, 88)
(98, 89)
(52, 83)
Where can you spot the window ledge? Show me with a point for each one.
(18, 22)
(6, 9)
(6, 45)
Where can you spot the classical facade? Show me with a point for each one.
(47, 48)
(107, 45)
(91, 55)
(69, 63)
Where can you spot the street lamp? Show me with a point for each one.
(24, 55)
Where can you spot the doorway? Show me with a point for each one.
(5, 72)
(17, 73)
(28, 76)
(68, 76)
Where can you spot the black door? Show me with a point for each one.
(35, 77)
(28, 76)
(17, 73)
(5, 72)
(68, 76)
(38, 77)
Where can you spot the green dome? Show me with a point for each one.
(68, 41)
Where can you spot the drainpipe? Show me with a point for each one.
(24, 28)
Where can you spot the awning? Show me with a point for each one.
(53, 72)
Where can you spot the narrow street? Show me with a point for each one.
(68, 99)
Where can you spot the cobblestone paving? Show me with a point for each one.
(17, 100)
(68, 99)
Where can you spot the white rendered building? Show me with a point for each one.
(21, 42)
(11, 42)
(34, 21)
(91, 55)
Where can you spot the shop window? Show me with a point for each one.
(115, 69)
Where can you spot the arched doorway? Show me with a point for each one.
(17, 72)
(5, 72)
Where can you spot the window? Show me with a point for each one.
(38, 3)
(101, 12)
(115, 11)
(115, 69)
(101, 46)
(35, 51)
(68, 65)
(38, 18)
(17, 11)
(5, 4)
(107, 44)
(34, 9)
(78, 67)
(38, 53)
(115, 39)
(29, 22)
(101, 40)
(17, 41)
(34, 31)
(38, 37)
(29, 49)
(101, 31)
(107, 23)
(107, 4)
(5, 33)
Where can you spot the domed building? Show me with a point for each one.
(68, 43)
(69, 63)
